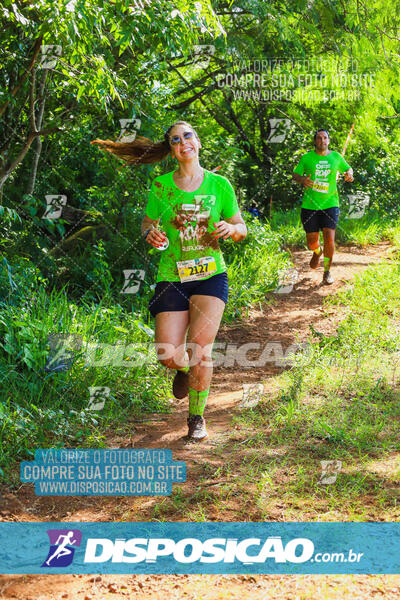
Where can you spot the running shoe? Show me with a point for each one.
(314, 262)
(180, 385)
(327, 278)
(197, 428)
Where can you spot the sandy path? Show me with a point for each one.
(284, 322)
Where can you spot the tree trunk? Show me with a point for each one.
(8, 168)
(36, 49)
(38, 149)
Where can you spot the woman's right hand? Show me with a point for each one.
(155, 237)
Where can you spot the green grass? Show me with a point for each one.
(288, 226)
(338, 402)
(343, 405)
(339, 399)
(253, 266)
(369, 229)
(40, 409)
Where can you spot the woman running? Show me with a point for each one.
(196, 207)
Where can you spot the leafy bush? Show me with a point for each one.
(253, 267)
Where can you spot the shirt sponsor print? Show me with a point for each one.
(192, 222)
(322, 172)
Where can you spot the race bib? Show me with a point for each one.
(197, 268)
(321, 186)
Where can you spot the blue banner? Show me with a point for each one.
(223, 548)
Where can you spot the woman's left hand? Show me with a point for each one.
(222, 229)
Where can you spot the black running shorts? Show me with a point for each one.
(174, 295)
(314, 220)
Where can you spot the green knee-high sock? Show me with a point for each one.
(197, 401)
(184, 369)
(318, 250)
(327, 263)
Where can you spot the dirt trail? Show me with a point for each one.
(286, 321)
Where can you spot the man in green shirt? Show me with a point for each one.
(317, 172)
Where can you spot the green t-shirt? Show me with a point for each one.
(187, 219)
(322, 170)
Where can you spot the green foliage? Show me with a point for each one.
(339, 402)
(31, 398)
(371, 228)
(253, 267)
(348, 378)
(19, 281)
(136, 60)
(288, 225)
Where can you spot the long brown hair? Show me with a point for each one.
(142, 150)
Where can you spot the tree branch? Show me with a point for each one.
(263, 133)
(196, 96)
(36, 156)
(214, 116)
(235, 119)
(36, 50)
(8, 169)
(32, 101)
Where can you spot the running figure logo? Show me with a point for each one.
(61, 552)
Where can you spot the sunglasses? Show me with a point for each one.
(176, 139)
